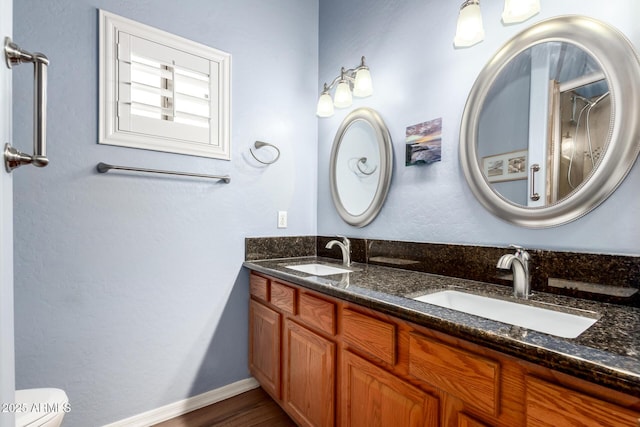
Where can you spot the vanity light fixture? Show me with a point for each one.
(519, 10)
(358, 78)
(469, 29)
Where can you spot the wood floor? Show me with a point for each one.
(253, 408)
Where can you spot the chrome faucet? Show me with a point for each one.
(519, 264)
(345, 247)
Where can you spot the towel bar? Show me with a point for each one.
(104, 168)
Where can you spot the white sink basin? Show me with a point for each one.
(551, 322)
(318, 269)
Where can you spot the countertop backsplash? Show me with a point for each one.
(600, 277)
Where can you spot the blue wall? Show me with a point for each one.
(129, 290)
(419, 76)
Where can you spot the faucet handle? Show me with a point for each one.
(345, 240)
(521, 252)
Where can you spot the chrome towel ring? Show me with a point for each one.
(259, 144)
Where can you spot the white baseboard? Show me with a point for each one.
(181, 407)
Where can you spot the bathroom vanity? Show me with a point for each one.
(351, 346)
(355, 349)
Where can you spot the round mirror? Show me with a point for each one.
(549, 129)
(360, 167)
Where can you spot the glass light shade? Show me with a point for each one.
(325, 106)
(342, 97)
(363, 85)
(469, 30)
(519, 10)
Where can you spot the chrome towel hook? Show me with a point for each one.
(14, 158)
(260, 144)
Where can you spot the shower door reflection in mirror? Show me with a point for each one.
(580, 129)
(551, 105)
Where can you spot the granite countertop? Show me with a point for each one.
(608, 353)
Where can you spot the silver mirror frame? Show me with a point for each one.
(383, 138)
(621, 65)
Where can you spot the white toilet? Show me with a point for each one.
(41, 407)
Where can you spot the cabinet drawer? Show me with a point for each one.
(259, 287)
(472, 378)
(369, 335)
(318, 312)
(552, 405)
(283, 297)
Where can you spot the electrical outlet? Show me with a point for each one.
(282, 219)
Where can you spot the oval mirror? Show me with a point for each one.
(549, 128)
(360, 166)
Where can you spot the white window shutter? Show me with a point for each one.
(162, 92)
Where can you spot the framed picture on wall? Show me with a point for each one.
(424, 143)
(506, 166)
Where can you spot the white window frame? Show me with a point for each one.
(113, 130)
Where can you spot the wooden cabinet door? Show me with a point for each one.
(372, 397)
(264, 347)
(309, 376)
